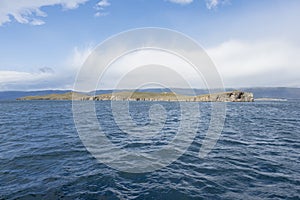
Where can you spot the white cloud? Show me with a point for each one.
(29, 11)
(101, 14)
(100, 6)
(145, 66)
(37, 22)
(240, 64)
(15, 76)
(211, 4)
(46, 77)
(103, 3)
(183, 2)
(11, 80)
(257, 63)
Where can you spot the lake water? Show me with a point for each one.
(256, 157)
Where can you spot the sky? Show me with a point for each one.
(43, 43)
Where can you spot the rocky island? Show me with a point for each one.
(233, 96)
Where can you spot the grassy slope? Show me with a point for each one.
(65, 96)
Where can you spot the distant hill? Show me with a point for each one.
(64, 96)
(276, 92)
(259, 92)
(12, 95)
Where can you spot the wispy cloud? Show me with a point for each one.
(100, 6)
(101, 14)
(103, 3)
(212, 4)
(29, 11)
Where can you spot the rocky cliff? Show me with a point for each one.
(234, 96)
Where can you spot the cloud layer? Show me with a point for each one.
(46, 77)
(257, 63)
(15, 80)
(240, 64)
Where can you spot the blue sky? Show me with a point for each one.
(253, 43)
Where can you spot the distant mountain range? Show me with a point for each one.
(259, 92)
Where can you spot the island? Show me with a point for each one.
(233, 96)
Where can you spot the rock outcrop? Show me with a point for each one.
(234, 96)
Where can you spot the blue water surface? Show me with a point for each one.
(256, 157)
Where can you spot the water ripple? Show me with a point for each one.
(256, 157)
